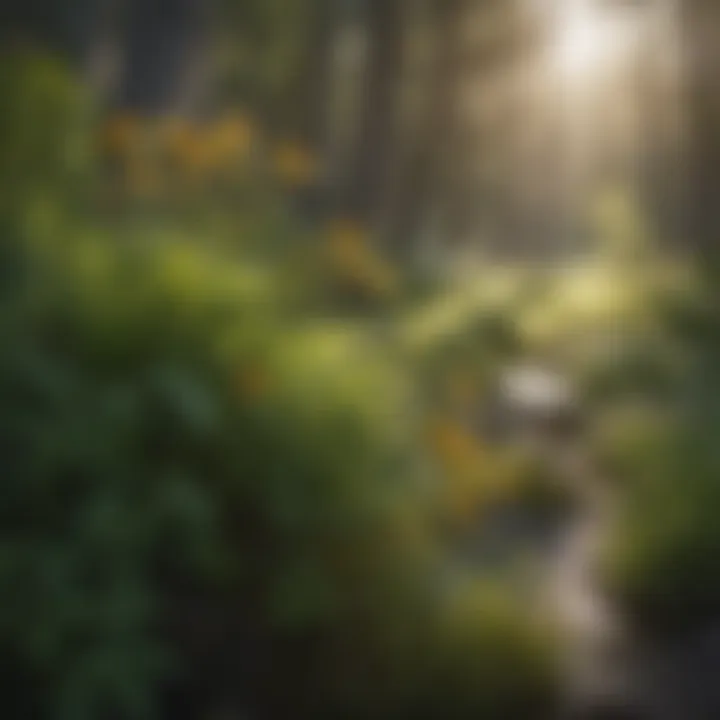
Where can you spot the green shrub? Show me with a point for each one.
(492, 659)
(211, 498)
(664, 557)
(161, 426)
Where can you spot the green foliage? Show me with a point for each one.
(200, 475)
(661, 440)
(664, 560)
(173, 432)
(38, 158)
(492, 659)
(142, 419)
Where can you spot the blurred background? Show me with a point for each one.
(359, 359)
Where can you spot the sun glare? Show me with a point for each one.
(583, 41)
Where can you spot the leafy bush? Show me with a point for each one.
(663, 560)
(662, 440)
(493, 659)
(210, 495)
(162, 426)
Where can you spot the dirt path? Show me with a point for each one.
(596, 661)
(608, 671)
(597, 666)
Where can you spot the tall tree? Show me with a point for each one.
(427, 166)
(377, 132)
(315, 76)
(56, 24)
(162, 43)
(701, 32)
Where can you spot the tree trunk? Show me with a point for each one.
(427, 167)
(377, 133)
(702, 57)
(63, 27)
(316, 75)
(162, 46)
(310, 100)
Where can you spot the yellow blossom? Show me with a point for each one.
(454, 446)
(231, 138)
(294, 164)
(185, 145)
(352, 259)
(346, 244)
(119, 134)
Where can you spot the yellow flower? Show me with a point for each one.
(346, 242)
(294, 165)
(352, 259)
(119, 135)
(231, 138)
(185, 145)
(455, 447)
(457, 451)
